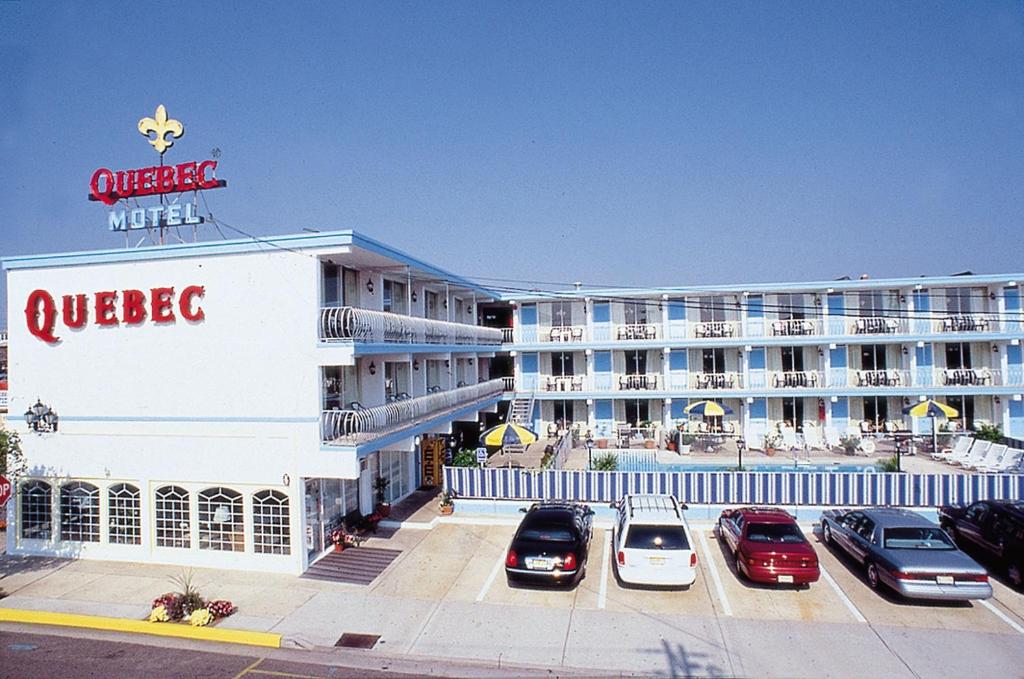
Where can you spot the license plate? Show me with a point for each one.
(540, 564)
(786, 579)
(944, 579)
(656, 560)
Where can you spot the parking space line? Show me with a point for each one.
(726, 608)
(858, 616)
(1002, 616)
(491, 577)
(602, 592)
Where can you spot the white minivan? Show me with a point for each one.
(652, 543)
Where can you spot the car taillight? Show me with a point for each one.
(900, 575)
(511, 560)
(973, 578)
(569, 562)
(622, 558)
(693, 559)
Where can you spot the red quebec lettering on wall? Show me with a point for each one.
(127, 307)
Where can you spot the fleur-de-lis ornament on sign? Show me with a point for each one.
(162, 126)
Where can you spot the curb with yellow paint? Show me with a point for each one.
(163, 629)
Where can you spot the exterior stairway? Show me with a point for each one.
(521, 410)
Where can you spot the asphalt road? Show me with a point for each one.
(37, 656)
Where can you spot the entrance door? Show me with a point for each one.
(314, 521)
(365, 487)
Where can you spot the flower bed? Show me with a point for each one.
(188, 606)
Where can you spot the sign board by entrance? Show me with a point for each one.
(5, 490)
(481, 455)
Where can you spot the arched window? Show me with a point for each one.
(79, 512)
(171, 514)
(123, 500)
(270, 523)
(36, 511)
(220, 520)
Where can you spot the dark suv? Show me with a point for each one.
(993, 527)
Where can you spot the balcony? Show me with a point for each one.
(639, 382)
(880, 378)
(968, 377)
(795, 379)
(351, 324)
(729, 380)
(562, 333)
(966, 323)
(636, 331)
(353, 427)
(877, 325)
(795, 327)
(563, 383)
(714, 329)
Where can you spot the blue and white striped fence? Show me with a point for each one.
(720, 488)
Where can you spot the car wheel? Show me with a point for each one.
(1013, 573)
(873, 580)
(826, 534)
(739, 565)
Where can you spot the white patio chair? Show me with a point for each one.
(974, 455)
(789, 440)
(812, 437)
(832, 437)
(959, 449)
(991, 459)
(1009, 462)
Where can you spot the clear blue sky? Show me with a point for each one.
(632, 143)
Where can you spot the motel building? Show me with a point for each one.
(225, 404)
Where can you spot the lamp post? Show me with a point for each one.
(740, 445)
(590, 451)
(41, 419)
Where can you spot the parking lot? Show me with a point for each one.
(720, 624)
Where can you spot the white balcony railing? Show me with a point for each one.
(880, 378)
(562, 333)
(346, 427)
(380, 327)
(877, 325)
(508, 335)
(729, 380)
(795, 378)
(636, 331)
(714, 329)
(650, 382)
(508, 383)
(965, 323)
(968, 377)
(563, 383)
(796, 327)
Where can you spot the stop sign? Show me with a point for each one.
(5, 490)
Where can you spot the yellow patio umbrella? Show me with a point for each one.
(707, 408)
(508, 434)
(932, 409)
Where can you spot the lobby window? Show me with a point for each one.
(220, 520)
(270, 523)
(79, 512)
(36, 511)
(123, 501)
(171, 514)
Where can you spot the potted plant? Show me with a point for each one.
(447, 503)
(850, 444)
(380, 485)
(771, 442)
(685, 443)
(602, 443)
(342, 539)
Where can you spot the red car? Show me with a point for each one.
(768, 546)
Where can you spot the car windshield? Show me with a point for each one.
(656, 537)
(774, 532)
(546, 531)
(918, 537)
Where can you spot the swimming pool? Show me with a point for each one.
(652, 466)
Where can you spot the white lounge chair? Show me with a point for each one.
(832, 437)
(976, 454)
(789, 440)
(992, 457)
(1009, 462)
(812, 437)
(959, 449)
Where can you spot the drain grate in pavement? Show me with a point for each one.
(348, 640)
